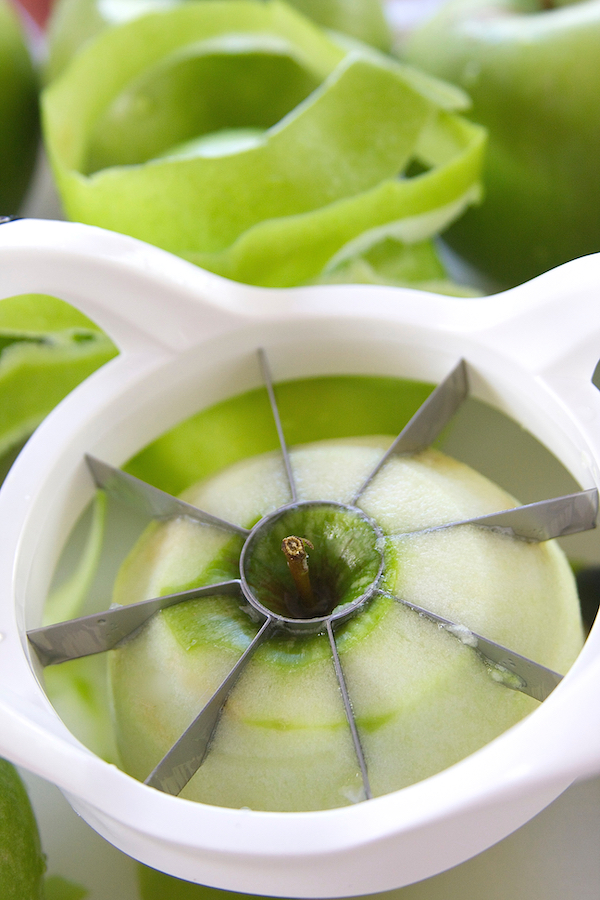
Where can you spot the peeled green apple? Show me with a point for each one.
(73, 22)
(18, 112)
(531, 69)
(422, 698)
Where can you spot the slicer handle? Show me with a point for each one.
(141, 296)
(544, 336)
(543, 333)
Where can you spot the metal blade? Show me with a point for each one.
(349, 713)
(103, 631)
(539, 521)
(266, 374)
(187, 755)
(150, 500)
(428, 421)
(515, 671)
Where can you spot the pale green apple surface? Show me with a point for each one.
(18, 112)
(532, 73)
(295, 159)
(422, 699)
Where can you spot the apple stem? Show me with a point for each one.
(294, 549)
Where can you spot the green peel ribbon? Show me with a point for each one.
(245, 139)
(46, 348)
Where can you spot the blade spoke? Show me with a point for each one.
(537, 522)
(186, 756)
(428, 421)
(266, 374)
(149, 500)
(98, 632)
(349, 713)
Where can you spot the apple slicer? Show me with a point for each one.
(187, 340)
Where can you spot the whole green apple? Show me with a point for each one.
(282, 742)
(531, 69)
(73, 22)
(22, 863)
(18, 112)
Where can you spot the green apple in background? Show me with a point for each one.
(531, 69)
(22, 863)
(73, 22)
(18, 112)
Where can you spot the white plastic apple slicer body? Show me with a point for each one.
(188, 339)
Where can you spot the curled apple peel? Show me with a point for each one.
(245, 139)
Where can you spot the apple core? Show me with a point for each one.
(346, 564)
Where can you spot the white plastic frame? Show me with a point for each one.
(188, 339)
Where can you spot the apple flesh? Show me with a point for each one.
(422, 699)
(531, 71)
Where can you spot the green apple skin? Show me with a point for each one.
(308, 132)
(18, 112)
(534, 80)
(421, 698)
(73, 22)
(22, 863)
